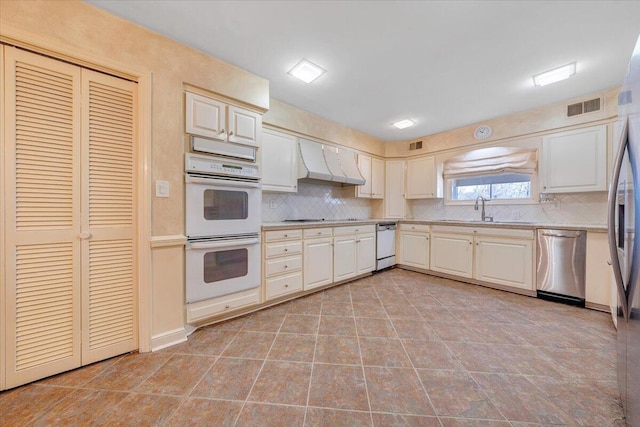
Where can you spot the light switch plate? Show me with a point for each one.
(162, 188)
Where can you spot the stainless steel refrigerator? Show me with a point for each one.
(624, 239)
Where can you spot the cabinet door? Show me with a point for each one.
(318, 263)
(364, 164)
(41, 167)
(279, 162)
(377, 178)
(205, 117)
(344, 257)
(245, 127)
(366, 253)
(414, 249)
(598, 273)
(574, 161)
(452, 254)
(507, 262)
(394, 202)
(421, 178)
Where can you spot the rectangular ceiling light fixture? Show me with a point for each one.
(306, 71)
(404, 123)
(555, 75)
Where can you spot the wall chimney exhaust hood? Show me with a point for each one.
(327, 163)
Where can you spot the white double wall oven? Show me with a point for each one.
(223, 202)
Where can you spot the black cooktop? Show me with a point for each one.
(304, 220)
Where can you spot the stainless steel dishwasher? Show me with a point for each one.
(561, 265)
(386, 245)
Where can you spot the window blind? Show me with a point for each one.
(491, 160)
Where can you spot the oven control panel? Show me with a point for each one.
(221, 166)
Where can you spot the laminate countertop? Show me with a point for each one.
(288, 225)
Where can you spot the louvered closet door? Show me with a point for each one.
(108, 250)
(42, 217)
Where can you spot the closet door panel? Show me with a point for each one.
(110, 324)
(42, 113)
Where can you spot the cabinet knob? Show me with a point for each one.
(231, 133)
(85, 236)
(286, 250)
(471, 243)
(286, 235)
(222, 132)
(227, 306)
(477, 244)
(609, 262)
(286, 266)
(286, 286)
(319, 232)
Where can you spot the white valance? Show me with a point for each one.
(491, 160)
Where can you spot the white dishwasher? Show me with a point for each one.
(386, 245)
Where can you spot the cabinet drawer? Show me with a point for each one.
(272, 250)
(414, 227)
(282, 285)
(353, 229)
(277, 235)
(282, 265)
(209, 308)
(318, 232)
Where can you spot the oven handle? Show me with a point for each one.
(224, 243)
(222, 182)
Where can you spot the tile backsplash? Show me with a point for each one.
(315, 201)
(574, 208)
(334, 202)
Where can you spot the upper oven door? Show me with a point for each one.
(220, 207)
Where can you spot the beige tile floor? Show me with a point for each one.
(395, 349)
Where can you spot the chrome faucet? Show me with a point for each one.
(483, 216)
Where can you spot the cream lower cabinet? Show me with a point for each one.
(354, 251)
(318, 257)
(499, 256)
(413, 245)
(599, 272)
(452, 253)
(282, 263)
(504, 261)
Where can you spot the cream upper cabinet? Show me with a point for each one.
(423, 181)
(574, 161)
(279, 162)
(452, 253)
(205, 117)
(504, 261)
(210, 118)
(245, 127)
(372, 170)
(318, 262)
(377, 178)
(394, 201)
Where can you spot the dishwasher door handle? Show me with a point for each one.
(566, 236)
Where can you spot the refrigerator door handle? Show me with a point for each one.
(611, 231)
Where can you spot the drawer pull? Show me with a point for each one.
(227, 306)
(319, 232)
(286, 235)
(286, 266)
(286, 286)
(286, 250)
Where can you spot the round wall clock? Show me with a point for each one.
(482, 132)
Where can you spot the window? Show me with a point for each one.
(495, 173)
(492, 187)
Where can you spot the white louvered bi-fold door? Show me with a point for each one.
(69, 248)
(108, 176)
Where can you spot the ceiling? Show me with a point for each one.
(443, 64)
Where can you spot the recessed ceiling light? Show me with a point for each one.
(555, 75)
(307, 71)
(404, 123)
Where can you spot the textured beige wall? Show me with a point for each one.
(94, 33)
(291, 118)
(505, 129)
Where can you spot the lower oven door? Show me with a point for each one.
(220, 267)
(219, 207)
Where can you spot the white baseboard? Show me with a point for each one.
(167, 339)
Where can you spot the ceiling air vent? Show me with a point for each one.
(415, 145)
(589, 106)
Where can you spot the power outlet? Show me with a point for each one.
(162, 188)
(272, 204)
